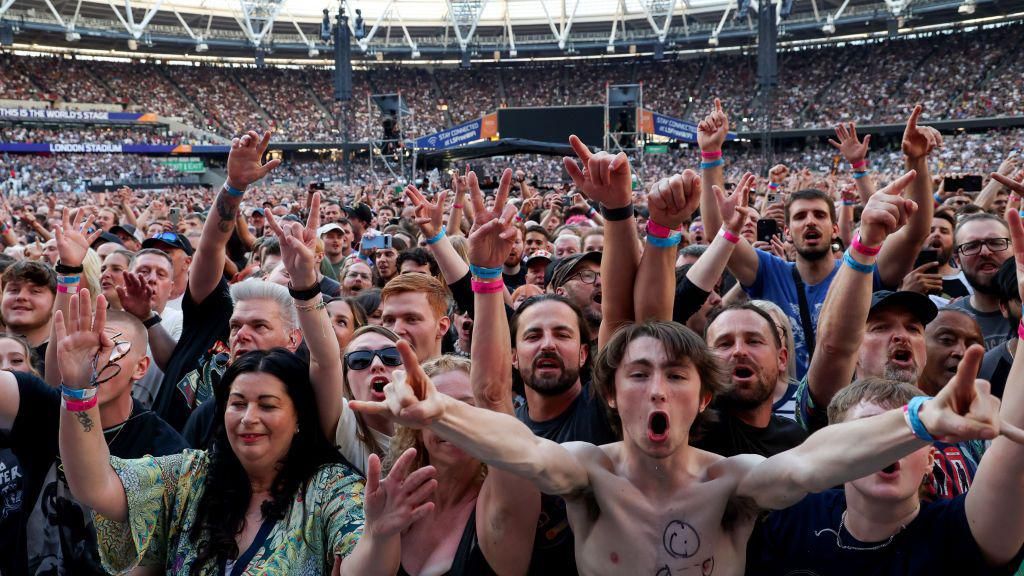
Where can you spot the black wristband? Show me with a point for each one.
(617, 214)
(63, 269)
(152, 321)
(305, 293)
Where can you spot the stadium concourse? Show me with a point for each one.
(259, 318)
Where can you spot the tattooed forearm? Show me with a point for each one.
(84, 420)
(227, 209)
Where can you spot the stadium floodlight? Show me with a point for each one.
(830, 26)
(513, 53)
(610, 48)
(967, 8)
(72, 36)
(713, 41)
(415, 53)
(313, 52)
(201, 46)
(133, 44)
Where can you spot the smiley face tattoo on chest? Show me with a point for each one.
(682, 541)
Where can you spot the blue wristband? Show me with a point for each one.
(233, 191)
(713, 164)
(76, 394)
(850, 203)
(437, 237)
(914, 418)
(1021, 212)
(859, 175)
(862, 268)
(937, 199)
(485, 273)
(672, 241)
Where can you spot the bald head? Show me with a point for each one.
(131, 327)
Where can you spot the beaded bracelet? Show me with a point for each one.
(457, 206)
(437, 237)
(773, 185)
(1020, 330)
(319, 305)
(857, 266)
(672, 241)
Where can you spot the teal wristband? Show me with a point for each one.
(862, 268)
(437, 237)
(485, 273)
(233, 191)
(673, 240)
(913, 410)
(859, 175)
(713, 164)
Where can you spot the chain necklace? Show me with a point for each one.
(839, 539)
(120, 427)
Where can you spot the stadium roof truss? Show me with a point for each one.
(447, 28)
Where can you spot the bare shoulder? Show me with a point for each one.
(595, 457)
(735, 467)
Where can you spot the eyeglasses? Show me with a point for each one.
(585, 276)
(111, 369)
(361, 359)
(993, 245)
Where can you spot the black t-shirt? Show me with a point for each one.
(805, 539)
(995, 367)
(198, 431)
(954, 288)
(204, 324)
(330, 287)
(56, 532)
(40, 363)
(730, 436)
(584, 421)
(513, 281)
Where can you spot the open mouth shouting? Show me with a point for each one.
(902, 358)
(742, 373)
(548, 362)
(657, 427)
(377, 384)
(596, 297)
(813, 236)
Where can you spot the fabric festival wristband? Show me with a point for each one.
(713, 164)
(76, 406)
(457, 206)
(857, 266)
(232, 191)
(670, 242)
(865, 250)
(849, 203)
(1020, 330)
(859, 175)
(485, 273)
(912, 412)
(773, 185)
(659, 230)
(437, 237)
(729, 236)
(591, 212)
(68, 279)
(617, 214)
(67, 289)
(486, 287)
(79, 395)
(859, 164)
(711, 155)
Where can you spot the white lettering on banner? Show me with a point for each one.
(116, 148)
(29, 113)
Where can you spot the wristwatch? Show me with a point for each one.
(153, 320)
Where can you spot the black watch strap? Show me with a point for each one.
(62, 268)
(152, 321)
(617, 214)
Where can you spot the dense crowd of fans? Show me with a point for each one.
(98, 134)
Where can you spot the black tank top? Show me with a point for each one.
(469, 558)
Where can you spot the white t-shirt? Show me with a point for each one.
(346, 438)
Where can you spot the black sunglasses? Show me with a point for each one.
(361, 359)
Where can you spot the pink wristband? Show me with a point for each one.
(457, 206)
(729, 236)
(480, 287)
(80, 405)
(859, 164)
(66, 289)
(1020, 330)
(865, 250)
(711, 155)
(659, 231)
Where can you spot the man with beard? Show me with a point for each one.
(947, 339)
(513, 272)
(982, 245)
(939, 279)
(578, 278)
(745, 340)
(800, 288)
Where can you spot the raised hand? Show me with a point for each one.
(733, 207)
(245, 159)
(965, 409)
(887, 211)
(429, 215)
(73, 240)
(778, 174)
(491, 243)
(298, 245)
(481, 215)
(81, 340)
(399, 500)
(672, 200)
(924, 279)
(410, 399)
(1013, 221)
(604, 178)
(135, 296)
(713, 129)
(1009, 166)
(919, 141)
(853, 149)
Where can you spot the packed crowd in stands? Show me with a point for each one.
(97, 134)
(22, 174)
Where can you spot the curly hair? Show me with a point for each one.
(226, 498)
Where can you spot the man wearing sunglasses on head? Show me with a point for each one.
(56, 532)
(178, 247)
(982, 245)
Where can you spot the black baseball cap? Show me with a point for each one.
(916, 303)
(126, 228)
(563, 269)
(169, 239)
(359, 211)
(105, 238)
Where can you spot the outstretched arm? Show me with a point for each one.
(498, 440)
(897, 258)
(989, 192)
(963, 410)
(841, 322)
(244, 168)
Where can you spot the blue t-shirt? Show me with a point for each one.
(774, 282)
(805, 539)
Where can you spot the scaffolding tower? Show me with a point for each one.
(623, 104)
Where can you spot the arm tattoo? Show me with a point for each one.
(84, 420)
(226, 211)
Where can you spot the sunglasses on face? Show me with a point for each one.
(361, 359)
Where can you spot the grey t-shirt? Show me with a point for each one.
(994, 327)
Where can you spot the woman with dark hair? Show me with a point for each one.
(369, 299)
(347, 316)
(271, 496)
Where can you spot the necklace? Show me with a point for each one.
(120, 427)
(839, 539)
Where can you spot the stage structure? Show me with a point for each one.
(392, 117)
(622, 131)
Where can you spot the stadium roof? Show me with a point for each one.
(449, 29)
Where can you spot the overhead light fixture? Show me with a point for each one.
(713, 41)
(610, 48)
(133, 45)
(830, 26)
(201, 46)
(72, 36)
(513, 53)
(967, 8)
(313, 52)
